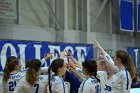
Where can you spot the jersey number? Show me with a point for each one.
(37, 87)
(12, 85)
(108, 88)
(97, 89)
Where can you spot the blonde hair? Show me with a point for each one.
(32, 71)
(101, 62)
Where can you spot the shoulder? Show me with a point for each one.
(23, 79)
(56, 80)
(124, 73)
(91, 81)
(43, 77)
(15, 76)
(23, 71)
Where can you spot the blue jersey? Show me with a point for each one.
(74, 82)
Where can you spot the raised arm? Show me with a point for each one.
(80, 77)
(107, 58)
(97, 45)
(46, 57)
(73, 59)
(76, 71)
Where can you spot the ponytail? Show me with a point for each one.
(32, 73)
(56, 63)
(95, 75)
(6, 74)
(91, 67)
(126, 61)
(31, 76)
(49, 79)
(130, 67)
(11, 62)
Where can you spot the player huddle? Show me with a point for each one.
(101, 76)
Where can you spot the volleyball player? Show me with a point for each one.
(56, 82)
(123, 77)
(32, 82)
(106, 75)
(12, 72)
(91, 84)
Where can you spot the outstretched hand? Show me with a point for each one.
(72, 65)
(48, 55)
(96, 43)
(67, 54)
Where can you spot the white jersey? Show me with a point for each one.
(59, 86)
(1, 85)
(122, 82)
(24, 87)
(90, 85)
(12, 82)
(14, 79)
(122, 79)
(106, 84)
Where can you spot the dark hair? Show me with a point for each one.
(57, 63)
(91, 67)
(11, 62)
(126, 61)
(32, 71)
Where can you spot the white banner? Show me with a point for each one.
(8, 9)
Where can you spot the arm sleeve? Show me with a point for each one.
(80, 73)
(43, 61)
(109, 60)
(44, 70)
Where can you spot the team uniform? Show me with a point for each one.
(90, 85)
(122, 79)
(79, 71)
(105, 83)
(1, 85)
(12, 81)
(24, 87)
(59, 86)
